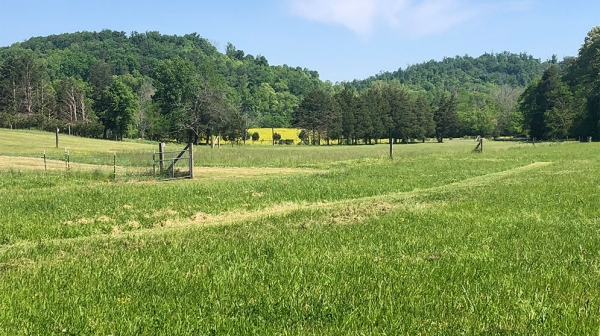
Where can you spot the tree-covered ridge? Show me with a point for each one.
(136, 53)
(565, 102)
(465, 72)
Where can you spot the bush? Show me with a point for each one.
(286, 142)
(303, 136)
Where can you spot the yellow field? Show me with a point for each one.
(266, 134)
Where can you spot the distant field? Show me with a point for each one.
(301, 240)
(266, 135)
(135, 155)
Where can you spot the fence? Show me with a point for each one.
(173, 164)
(128, 165)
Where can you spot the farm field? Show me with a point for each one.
(301, 240)
(266, 135)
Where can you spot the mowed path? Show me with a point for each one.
(335, 212)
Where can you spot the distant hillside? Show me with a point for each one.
(74, 54)
(464, 72)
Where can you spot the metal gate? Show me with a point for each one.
(171, 165)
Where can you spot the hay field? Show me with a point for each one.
(304, 240)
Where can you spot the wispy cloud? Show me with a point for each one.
(411, 17)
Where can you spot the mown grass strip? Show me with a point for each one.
(350, 208)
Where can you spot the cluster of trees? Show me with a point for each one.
(148, 85)
(565, 101)
(385, 110)
(113, 85)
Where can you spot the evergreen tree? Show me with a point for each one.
(583, 77)
(446, 119)
(347, 104)
(317, 113)
(547, 106)
(425, 124)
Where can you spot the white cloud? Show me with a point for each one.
(357, 15)
(411, 17)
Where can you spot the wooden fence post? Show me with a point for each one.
(154, 164)
(114, 165)
(191, 149)
(161, 157)
(391, 147)
(57, 130)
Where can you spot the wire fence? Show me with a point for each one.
(110, 164)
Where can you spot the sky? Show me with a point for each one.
(341, 39)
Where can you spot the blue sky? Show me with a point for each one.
(341, 39)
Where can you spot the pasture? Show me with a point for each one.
(301, 240)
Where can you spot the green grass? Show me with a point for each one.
(139, 153)
(438, 241)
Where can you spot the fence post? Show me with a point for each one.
(57, 130)
(45, 167)
(67, 158)
(154, 164)
(391, 147)
(191, 149)
(161, 157)
(114, 165)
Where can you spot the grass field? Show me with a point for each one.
(303, 240)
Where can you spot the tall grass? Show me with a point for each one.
(439, 240)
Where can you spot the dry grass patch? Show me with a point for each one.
(233, 172)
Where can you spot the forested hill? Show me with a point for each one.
(113, 84)
(465, 72)
(267, 93)
(75, 54)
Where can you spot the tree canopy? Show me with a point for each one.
(184, 88)
(565, 101)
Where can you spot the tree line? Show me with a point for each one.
(385, 110)
(110, 84)
(565, 101)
